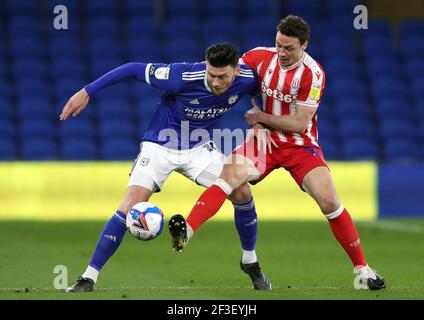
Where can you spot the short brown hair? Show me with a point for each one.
(294, 26)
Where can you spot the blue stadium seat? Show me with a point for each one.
(27, 26)
(219, 29)
(67, 87)
(38, 149)
(7, 110)
(104, 48)
(69, 67)
(413, 47)
(114, 108)
(98, 7)
(101, 26)
(145, 49)
(79, 149)
(221, 7)
(338, 43)
(417, 87)
(5, 89)
(303, 8)
(330, 148)
(77, 128)
(36, 128)
(339, 7)
(377, 46)
(259, 25)
(342, 66)
(29, 66)
(137, 26)
(393, 88)
(388, 108)
(116, 129)
(146, 108)
(397, 128)
(140, 8)
(411, 27)
(359, 149)
(383, 66)
(7, 129)
(33, 107)
(357, 109)
(67, 46)
(258, 40)
(184, 50)
(414, 68)
(7, 149)
(379, 28)
(350, 88)
(419, 109)
(357, 128)
(26, 46)
(399, 149)
(21, 6)
(266, 8)
(182, 27)
(183, 8)
(119, 149)
(32, 87)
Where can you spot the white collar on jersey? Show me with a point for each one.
(296, 64)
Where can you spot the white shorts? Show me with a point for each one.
(202, 165)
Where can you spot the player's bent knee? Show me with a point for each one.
(241, 195)
(135, 194)
(234, 175)
(328, 204)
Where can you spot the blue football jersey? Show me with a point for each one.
(188, 104)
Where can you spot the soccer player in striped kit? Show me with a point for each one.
(292, 83)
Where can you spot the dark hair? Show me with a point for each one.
(222, 55)
(294, 26)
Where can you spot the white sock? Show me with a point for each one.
(248, 257)
(91, 273)
(189, 232)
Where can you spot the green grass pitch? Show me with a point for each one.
(302, 259)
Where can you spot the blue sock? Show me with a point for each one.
(109, 240)
(246, 223)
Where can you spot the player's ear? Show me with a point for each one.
(305, 45)
(237, 70)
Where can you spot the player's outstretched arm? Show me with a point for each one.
(75, 104)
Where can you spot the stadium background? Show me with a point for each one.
(371, 119)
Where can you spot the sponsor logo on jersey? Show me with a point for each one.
(277, 94)
(152, 70)
(232, 99)
(210, 113)
(162, 73)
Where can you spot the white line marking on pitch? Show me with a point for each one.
(394, 226)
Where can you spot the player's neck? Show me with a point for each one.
(295, 64)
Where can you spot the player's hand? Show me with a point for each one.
(252, 116)
(75, 104)
(263, 138)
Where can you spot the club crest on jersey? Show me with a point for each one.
(144, 161)
(162, 73)
(232, 99)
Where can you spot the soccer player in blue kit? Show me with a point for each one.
(196, 95)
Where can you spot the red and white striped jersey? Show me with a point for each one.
(284, 88)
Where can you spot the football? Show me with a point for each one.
(145, 221)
